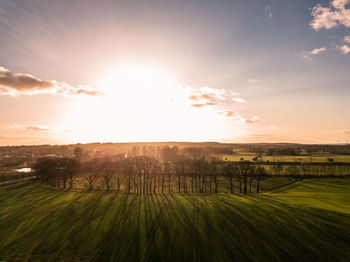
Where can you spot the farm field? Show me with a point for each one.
(286, 158)
(308, 220)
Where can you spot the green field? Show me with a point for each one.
(308, 220)
(284, 158)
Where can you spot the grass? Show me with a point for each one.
(285, 158)
(308, 220)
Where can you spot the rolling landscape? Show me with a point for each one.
(174, 130)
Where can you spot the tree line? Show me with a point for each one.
(189, 172)
(142, 174)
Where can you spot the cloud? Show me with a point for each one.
(29, 127)
(268, 11)
(339, 4)
(205, 96)
(347, 39)
(199, 105)
(236, 117)
(316, 51)
(328, 17)
(345, 49)
(211, 96)
(25, 84)
(38, 128)
(239, 100)
(308, 55)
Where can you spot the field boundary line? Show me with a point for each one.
(11, 182)
(280, 186)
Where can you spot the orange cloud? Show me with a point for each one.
(204, 104)
(25, 84)
(29, 127)
(236, 117)
(333, 15)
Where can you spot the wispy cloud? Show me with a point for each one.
(205, 96)
(314, 52)
(38, 128)
(29, 127)
(24, 84)
(335, 14)
(212, 96)
(268, 11)
(236, 117)
(204, 104)
(239, 100)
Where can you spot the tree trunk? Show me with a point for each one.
(250, 184)
(240, 185)
(169, 183)
(185, 184)
(162, 184)
(216, 184)
(210, 178)
(154, 185)
(192, 183)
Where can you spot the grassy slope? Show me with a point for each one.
(305, 221)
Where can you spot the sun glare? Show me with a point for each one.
(141, 103)
(128, 79)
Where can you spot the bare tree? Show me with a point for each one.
(91, 170)
(107, 172)
(260, 174)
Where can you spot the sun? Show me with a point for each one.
(146, 80)
(141, 103)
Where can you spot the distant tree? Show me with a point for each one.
(91, 169)
(260, 173)
(277, 168)
(246, 169)
(53, 170)
(72, 168)
(230, 170)
(107, 172)
(127, 168)
(214, 172)
(78, 153)
(47, 169)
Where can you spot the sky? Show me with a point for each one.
(226, 71)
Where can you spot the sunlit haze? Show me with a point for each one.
(120, 71)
